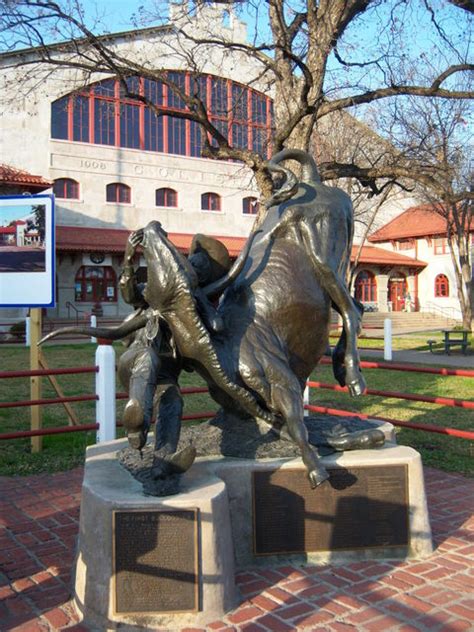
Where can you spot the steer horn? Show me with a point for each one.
(126, 328)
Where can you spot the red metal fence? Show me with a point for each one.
(467, 404)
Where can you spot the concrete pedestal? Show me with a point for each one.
(220, 493)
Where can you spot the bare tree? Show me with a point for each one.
(312, 57)
(436, 136)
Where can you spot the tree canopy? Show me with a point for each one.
(316, 58)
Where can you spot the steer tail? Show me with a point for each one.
(290, 185)
(123, 330)
(310, 171)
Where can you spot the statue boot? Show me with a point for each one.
(166, 464)
(133, 420)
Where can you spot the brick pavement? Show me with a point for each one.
(38, 528)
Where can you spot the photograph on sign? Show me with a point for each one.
(27, 251)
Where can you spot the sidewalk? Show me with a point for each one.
(38, 528)
(455, 360)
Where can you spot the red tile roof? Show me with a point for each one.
(113, 240)
(371, 254)
(7, 230)
(86, 239)
(417, 221)
(12, 176)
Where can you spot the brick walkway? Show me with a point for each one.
(38, 528)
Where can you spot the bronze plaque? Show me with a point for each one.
(155, 561)
(358, 508)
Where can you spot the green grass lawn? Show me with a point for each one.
(404, 342)
(61, 452)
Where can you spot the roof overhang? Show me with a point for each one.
(113, 240)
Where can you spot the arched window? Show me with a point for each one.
(210, 202)
(96, 284)
(166, 197)
(441, 286)
(250, 206)
(119, 193)
(103, 114)
(366, 287)
(66, 188)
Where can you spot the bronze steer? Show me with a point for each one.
(276, 319)
(276, 314)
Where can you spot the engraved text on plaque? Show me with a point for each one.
(360, 507)
(155, 561)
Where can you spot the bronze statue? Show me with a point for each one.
(150, 368)
(275, 309)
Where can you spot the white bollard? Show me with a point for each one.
(387, 339)
(105, 390)
(93, 324)
(27, 331)
(306, 400)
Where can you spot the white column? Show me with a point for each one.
(306, 400)
(93, 324)
(105, 390)
(27, 331)
(387, 339)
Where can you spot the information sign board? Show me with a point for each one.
(27, 251)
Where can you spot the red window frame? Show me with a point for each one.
(440, 245)
(365, 287)
(166, 197)
(66, 189)
(250, 206)
(102, 114)
(441, 286)
(210, 201)
(406, 244)
(93, 284)
(118, 193)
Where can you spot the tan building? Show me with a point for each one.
(115, 166)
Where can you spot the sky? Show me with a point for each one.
(8, 213)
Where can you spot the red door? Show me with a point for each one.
(397, 290)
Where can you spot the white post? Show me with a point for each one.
(93, 324)
(105, 390)
(306, 400)
(27, 332)
(387, 338)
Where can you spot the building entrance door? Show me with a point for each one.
(397, 290)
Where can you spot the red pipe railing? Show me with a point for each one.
(37, 372)
(48, 431)
(192, 390)
(393, 366)
(85, 427)
(56, 400)
(444, 401)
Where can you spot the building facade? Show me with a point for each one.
(420, 233)
(115, 166)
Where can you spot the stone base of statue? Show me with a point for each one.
(147, 561)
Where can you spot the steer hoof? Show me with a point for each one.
(317, 476)
(357, 387)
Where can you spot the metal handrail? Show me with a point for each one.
(450, 313)
(77, 311)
